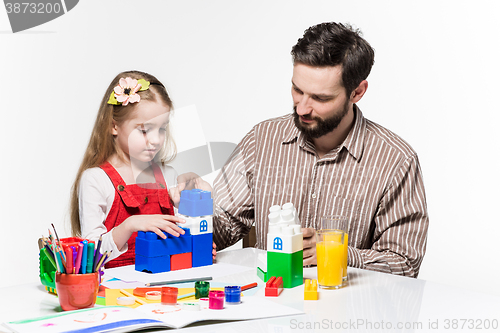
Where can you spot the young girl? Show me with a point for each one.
(121, 186)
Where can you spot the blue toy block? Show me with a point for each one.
(149, 244)
(181, 244)
(152, 264)
(202, 250)
(196, 202)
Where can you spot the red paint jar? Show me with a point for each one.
(77, 291)
(169, 295)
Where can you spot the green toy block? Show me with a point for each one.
(286, 265)
(261, 274)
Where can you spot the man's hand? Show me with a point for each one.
(214, 251)
(309, 244)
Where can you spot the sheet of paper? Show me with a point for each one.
(129, 274)
(249, 308)
(124, 319)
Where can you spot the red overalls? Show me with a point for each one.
(135, 199)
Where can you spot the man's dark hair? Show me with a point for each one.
(332, 44)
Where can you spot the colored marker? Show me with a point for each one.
(84, 256)
(97, 255)
(73, 249)
(69, 260)
(90, 258)
(79, 258)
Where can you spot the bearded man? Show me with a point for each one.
(327, 159)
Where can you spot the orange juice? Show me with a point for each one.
(344, 271)
(330, 259)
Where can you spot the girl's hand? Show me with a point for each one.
(156, 223)
(214, 251)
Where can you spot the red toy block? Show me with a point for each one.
(180, 261)
(274, 286)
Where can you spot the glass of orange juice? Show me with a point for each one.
(330, 257)
(338, 222)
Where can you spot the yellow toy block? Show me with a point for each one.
(311, 290)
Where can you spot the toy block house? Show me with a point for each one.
(284, 246)
(193, 249)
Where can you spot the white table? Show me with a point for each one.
(371, 301)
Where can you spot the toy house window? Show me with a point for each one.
(203, 226)
(278, 244)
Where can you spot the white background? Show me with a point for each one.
(435, 83)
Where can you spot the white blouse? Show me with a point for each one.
(96, 194)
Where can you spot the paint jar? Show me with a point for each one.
(169, 295)
(216, 300)
(201, 289)
(77, 291)
(233, 294)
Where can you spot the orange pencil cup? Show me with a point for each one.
(77, 291)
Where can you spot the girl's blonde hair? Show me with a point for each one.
(102, 143)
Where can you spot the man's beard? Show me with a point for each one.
(323, 126)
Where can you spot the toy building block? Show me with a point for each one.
(261, 274)
(198, 225)
(274, 286)
(288, 266)
(180, 261)
(311, 290)
(153, 254)
(152, 264)
(196, 202)
(284, 238)
(193, 249)
(149, 244)
(202, 250)
(285, 246)
(286, 214)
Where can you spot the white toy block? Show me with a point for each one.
(198, 225)
(283, 215)
(284, 238)
(284, 232)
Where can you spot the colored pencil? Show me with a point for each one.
(249, 286)
(97, 256)
(140, 301)
(185, 296)
(101, 261)
(178, 281)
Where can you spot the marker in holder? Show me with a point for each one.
(169, 295)
(233, 294)
(216, 300)
(201, 289)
